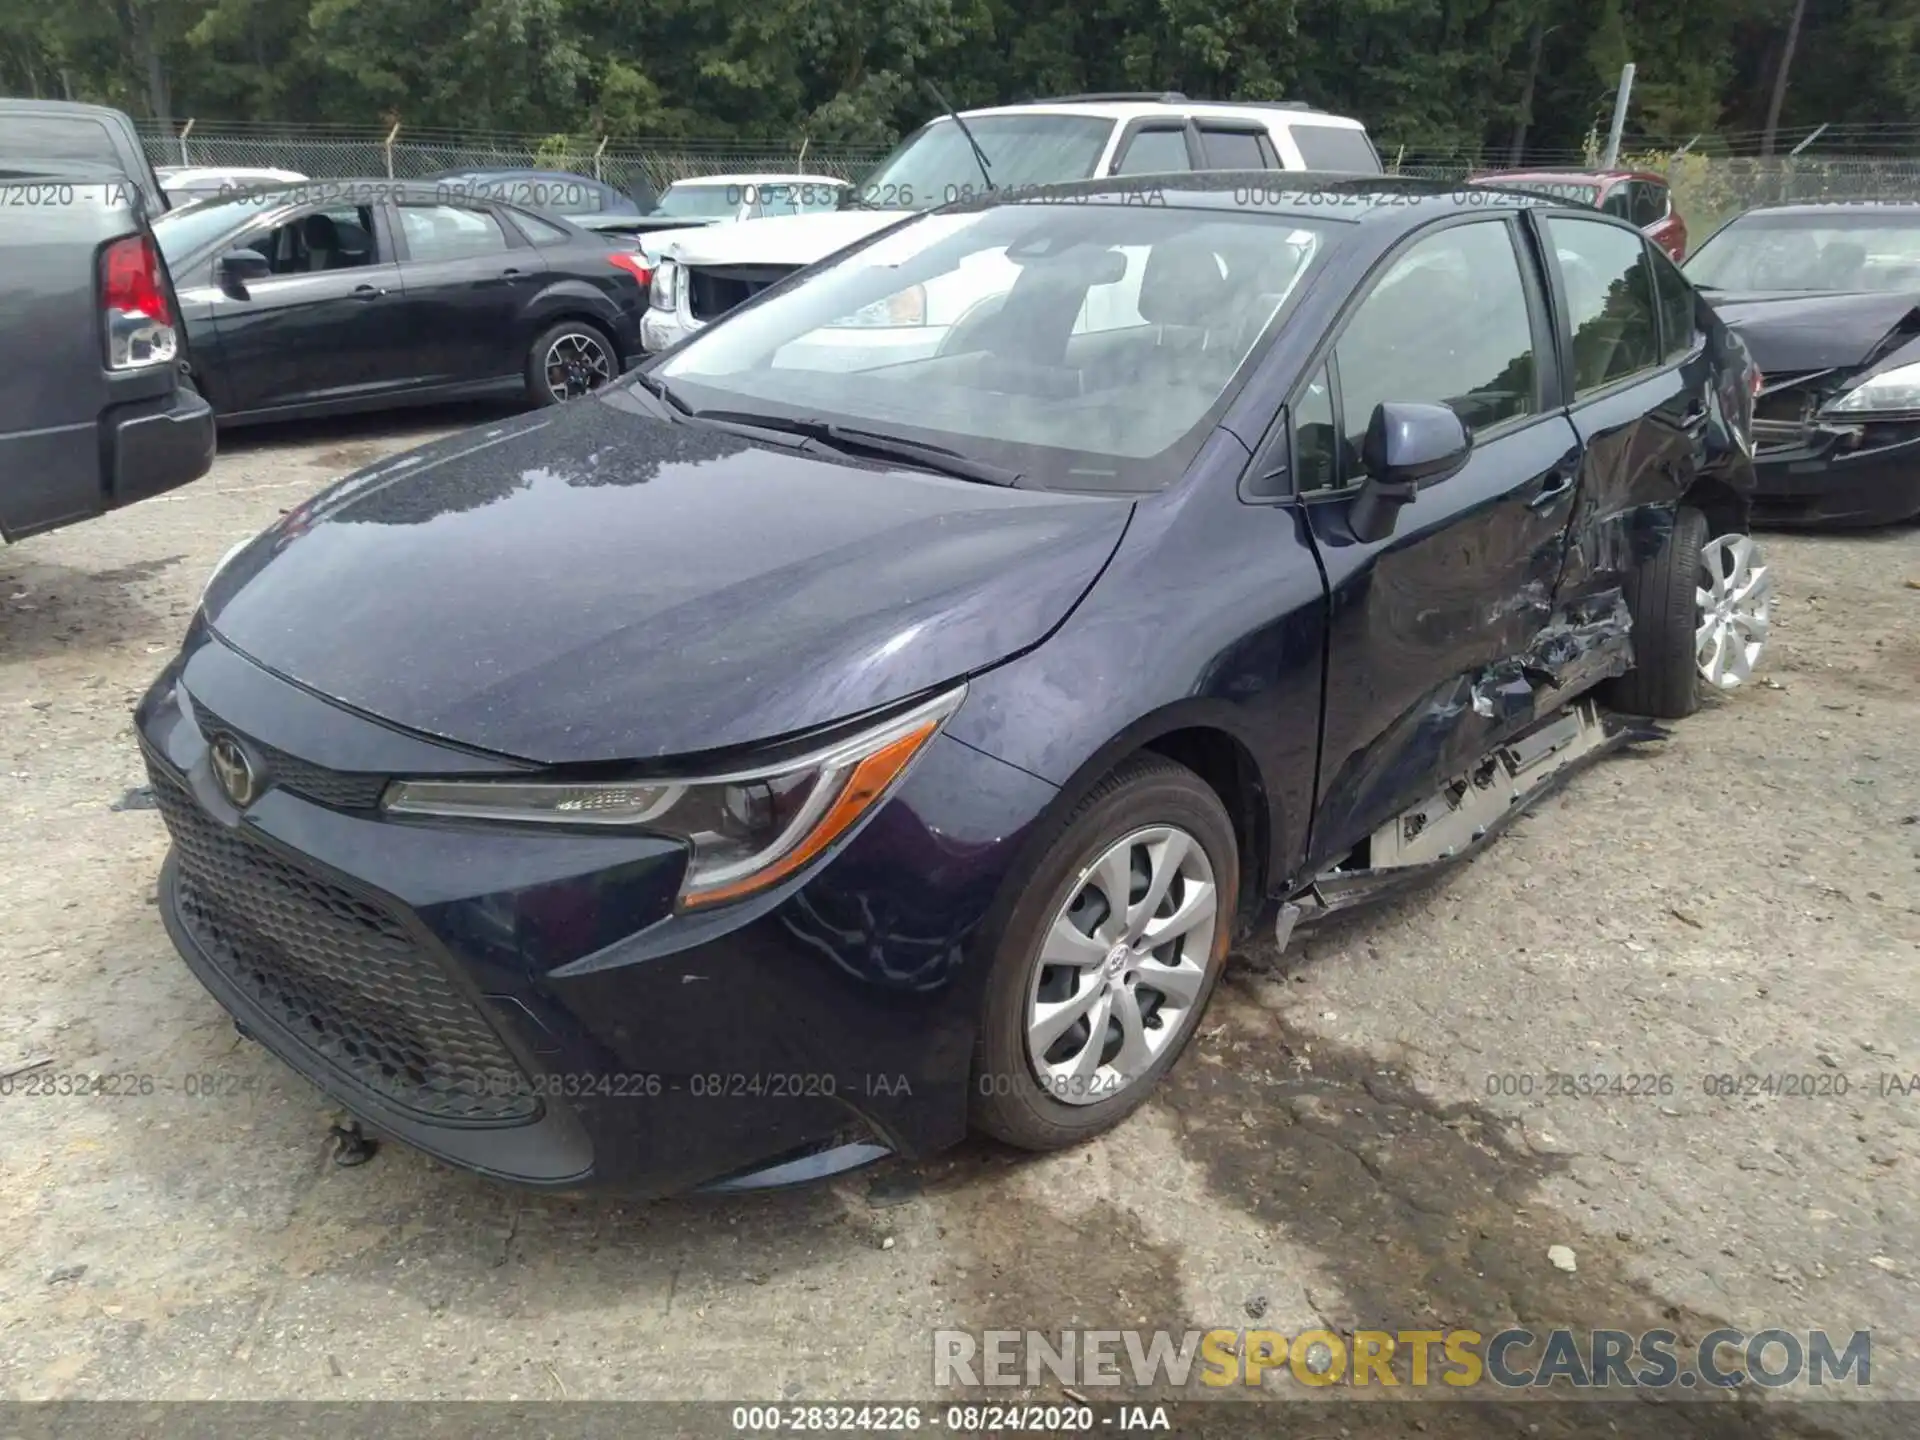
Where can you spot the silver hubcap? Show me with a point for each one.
(1122, 965)
(1735, 605)
(577, 364)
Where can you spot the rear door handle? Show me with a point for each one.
(1559, 481)
(368, 292)
(509, 273)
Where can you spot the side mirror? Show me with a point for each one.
(1408, 446)
(240, 266)
(643, 194)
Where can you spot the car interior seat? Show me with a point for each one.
(321, 239)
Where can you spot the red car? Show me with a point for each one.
(1637, 196)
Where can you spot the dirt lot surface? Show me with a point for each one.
(1741, 899)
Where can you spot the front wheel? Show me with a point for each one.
(569, 360)
(1107, 959)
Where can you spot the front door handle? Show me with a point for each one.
(1558, 482)
(368, 292)
(509, 273)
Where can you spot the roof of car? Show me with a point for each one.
(357, 191)
(187, 174)
(1903, 208)
(769, 177)
(1143, 106)
(1569, 177)
(515, 172)
(1381, 201)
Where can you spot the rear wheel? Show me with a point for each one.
(1664, 681)
(1700, 611)
(569, 360)
(1108, 958)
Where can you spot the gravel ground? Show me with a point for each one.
(1738, 899)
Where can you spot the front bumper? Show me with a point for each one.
(1825, 483)
(525, 1004)
(663, 329)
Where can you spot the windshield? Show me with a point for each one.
(1083, 346)
(701, 202)
(193, 227)
(1811, 252)
(935, 165)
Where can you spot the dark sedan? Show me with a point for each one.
(337, 295)
(1827, 297)
(771, 762)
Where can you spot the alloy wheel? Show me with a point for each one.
(1122, 965)
(577, 364)
(1735, 607)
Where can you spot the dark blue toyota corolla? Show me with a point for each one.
(879, 715)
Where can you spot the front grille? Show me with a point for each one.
(712, 290)
(342, 974)
(342, 789)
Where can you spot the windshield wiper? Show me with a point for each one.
(945, 104)
(851, 440)
(657, 388)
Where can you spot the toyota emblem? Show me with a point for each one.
(233, 770)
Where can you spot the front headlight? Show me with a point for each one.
(903, 308)
(1892, 390)
(747, 829)
(664, 292)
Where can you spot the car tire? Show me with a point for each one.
(1663, 598)
(1147, 796)
(581, 346)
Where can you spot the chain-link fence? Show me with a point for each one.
(1707, 188)
(321, 152)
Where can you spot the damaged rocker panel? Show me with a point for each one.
(1467, 813)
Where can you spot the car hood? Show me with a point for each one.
(594, 583)
(1820, 331)
(780, 239)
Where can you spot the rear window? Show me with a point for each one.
(60, 137)
(1335, 147)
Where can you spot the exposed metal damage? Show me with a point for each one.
(1467, 812)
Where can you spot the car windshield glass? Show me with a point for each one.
(186, 231)
(1080, 346)
(1811, 252)
(936, 165)
(701, 202)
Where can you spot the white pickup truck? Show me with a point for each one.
(704, 273)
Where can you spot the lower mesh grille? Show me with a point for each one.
(340, 973)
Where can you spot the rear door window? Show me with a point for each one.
(1610, 300)
(1232, 147)
(449, 232)
(1675, 298)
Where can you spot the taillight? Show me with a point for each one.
(1759, 382)
(634, 265)
(138, 322)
